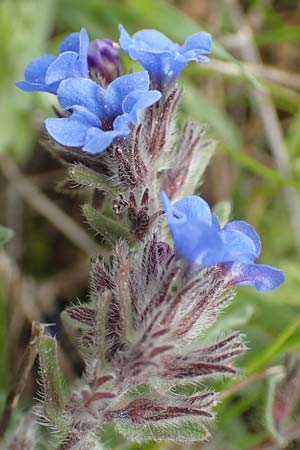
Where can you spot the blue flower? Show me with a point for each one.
(98, 116)
(200, 240)
(47, 71)
(162, 58)
(103, 58)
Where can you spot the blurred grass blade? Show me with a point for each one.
(259, 168)
(3, 344)
(265, 357)
(5, 235)
(201, 109)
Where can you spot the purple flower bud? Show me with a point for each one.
(103, 58)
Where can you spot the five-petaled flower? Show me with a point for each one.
(200, 240)
(99, 116)
(162, 58)
(46, 72)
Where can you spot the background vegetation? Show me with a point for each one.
(249, 98)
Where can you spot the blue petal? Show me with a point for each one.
(70, 44)
(121, 124)
(84, 43)
(238, 246)
(194, 55)
(263, 278)
(122, 86)
(72, 131)
(35, 76)
(125, 40)
(161, 57)
(98, 140)
(82, 92)
(37, 87)
(248, 230)
(193, 208)
(79, 44)
(190, 223)
(154, 58)
(36, 70)
(215, 222)
(153, 40)
(149, 40)
(138, 100)
(65, 66)
(199, 41)
(197, 242)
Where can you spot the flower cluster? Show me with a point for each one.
(150, 304)
(101, 116)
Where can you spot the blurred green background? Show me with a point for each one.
(249, 98)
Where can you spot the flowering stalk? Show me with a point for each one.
(142, 334)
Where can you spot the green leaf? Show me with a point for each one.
(5, 235)
(180, 431)
(53, 385)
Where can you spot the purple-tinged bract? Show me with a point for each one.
(46, 72)
(200, 240)
(99, 116)
(162, 58)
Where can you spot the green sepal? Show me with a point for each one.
(108, 228)
(174, 430)
(52, 382)
(88, 178)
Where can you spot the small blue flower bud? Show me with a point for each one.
(103, 58)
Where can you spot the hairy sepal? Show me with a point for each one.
(54, 391)
(173, 430)
(109, 229)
